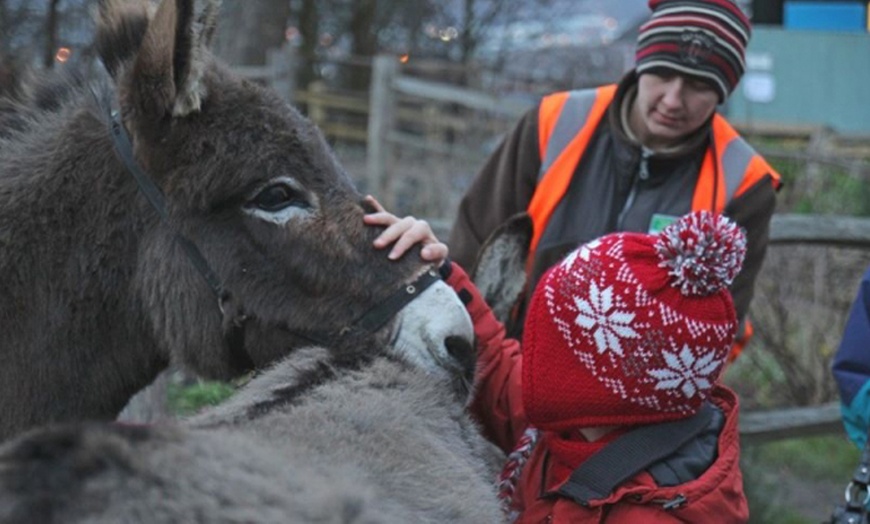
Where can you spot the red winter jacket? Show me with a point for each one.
(715, 496)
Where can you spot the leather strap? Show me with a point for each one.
(234, 336)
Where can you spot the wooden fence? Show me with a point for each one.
(796, 422)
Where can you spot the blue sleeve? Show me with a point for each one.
(856, 415)
(851, 366)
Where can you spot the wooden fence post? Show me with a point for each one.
(382, 107)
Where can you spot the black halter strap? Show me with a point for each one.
(376, 317)
(155, 197)
(379, 315)
(234, 335)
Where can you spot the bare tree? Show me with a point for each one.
(32, 32)
(51, 36)
(474, 20)
(7, 73)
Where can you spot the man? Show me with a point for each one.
(633, 156)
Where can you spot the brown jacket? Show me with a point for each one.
(600, 187)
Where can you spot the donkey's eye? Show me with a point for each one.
(281, 202)
(277, 197)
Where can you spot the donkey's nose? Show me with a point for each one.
(435, 332)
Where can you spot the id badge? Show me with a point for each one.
(658, 222)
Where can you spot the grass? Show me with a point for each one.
(189, 399)
(813, 458)
(797, 481)
(791, 481)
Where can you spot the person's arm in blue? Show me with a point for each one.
(851, 366)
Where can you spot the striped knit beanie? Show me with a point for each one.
(703, 38)
(632, 328)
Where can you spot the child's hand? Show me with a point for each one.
(404, 233)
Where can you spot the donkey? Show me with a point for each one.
(245, 239)
(342, 433)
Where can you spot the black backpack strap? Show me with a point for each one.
(630, 454)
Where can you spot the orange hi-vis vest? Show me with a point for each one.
(567, 122)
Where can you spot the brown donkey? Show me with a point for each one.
(102, 281)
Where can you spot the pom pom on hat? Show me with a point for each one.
(703, 252)
(632, 328)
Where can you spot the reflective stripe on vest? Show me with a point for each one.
(740, 165)
(561, 147)
(566, 123)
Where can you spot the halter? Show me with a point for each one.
(368, 323)
(380, 314)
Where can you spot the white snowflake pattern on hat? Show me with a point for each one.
(587, 248)
(686, 372)
(647, 317)
(582, 252)
(608, 325)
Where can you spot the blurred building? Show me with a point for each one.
(807, 66)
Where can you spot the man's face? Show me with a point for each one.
(670, 107)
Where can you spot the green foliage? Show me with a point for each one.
(765, 494)
(188, 399)
(813, 458)
(841, 194)
(820, 188)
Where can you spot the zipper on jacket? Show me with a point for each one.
(642, 176)
(674, 503)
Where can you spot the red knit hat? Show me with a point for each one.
(632, 328)
(705, 39)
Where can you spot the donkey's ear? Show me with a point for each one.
(500, 270)
(167, 74)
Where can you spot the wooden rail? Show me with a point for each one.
(830, 230)
(758, 427)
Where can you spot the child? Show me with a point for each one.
(612, 411)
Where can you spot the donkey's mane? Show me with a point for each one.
(43, 96)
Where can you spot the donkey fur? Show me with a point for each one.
(382, 444)
(97, 295)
